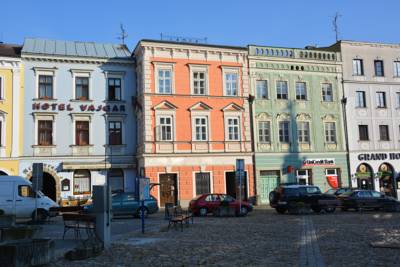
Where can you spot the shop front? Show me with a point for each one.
(376, 171)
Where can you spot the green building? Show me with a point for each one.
(297, 118)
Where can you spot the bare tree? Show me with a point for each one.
(335, 25)
(123, 35)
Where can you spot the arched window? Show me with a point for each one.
(82, 183)
(116, 180)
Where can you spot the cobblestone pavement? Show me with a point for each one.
(263, 238)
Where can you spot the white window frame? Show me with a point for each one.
(358, 69)
(378, 99)
(335, 171)
(115, 75)
(364, 100)
(166, 67)
(2, 96)
(199, 68)
(231, 70)
(194, 128)
(158, 128)
(47, 72)
(116, 118)
(398, 100)
(269, 134)
(211, 181)
(306, 175)
(330, 85)
(256, 89)
(45, 117)
(227, 137)
(81, 117)
(328, 137)
(305, 90)
(82, 74)
(289, 130)
(287, 89)
(301, 132)
(396, 69)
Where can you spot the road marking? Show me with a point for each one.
(310, 254)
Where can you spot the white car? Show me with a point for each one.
(18, 198)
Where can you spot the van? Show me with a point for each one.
(18, 198)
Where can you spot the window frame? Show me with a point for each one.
(114, 130)
(82, 98)
(160, 126)
(210, 180)
(46, 97)
(378, 99)
(379, 70)
(324, 92)
(365, 126)
(303, 133)
(266, 89)
(228, 127)
(225, 72)
(328, 132)
(305, 91)
(359, 70)
(283, 137)
(280, 94)
(262, 137)
(200, 69)
(164, 66)
(396, 69)
(363, 102)
(89, 177)
(2, 96)
(385, 136)
(51, 143)
(195, 126)
(121, 175)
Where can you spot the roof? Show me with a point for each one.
(10, 50)
(74, 49)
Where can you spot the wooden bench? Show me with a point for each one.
(179, 216)
(77, 221)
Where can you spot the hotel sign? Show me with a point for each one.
(69, 107)
(378, 156)
(318, 162)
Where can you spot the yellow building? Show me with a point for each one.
(11, 108)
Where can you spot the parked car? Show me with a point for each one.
(286, 197)
(18, 198)
(126, 203)
(367, 199)
(338, 191)
(206, 203)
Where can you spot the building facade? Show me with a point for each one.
(371, 79)
(297, 118)
(193, 119)
(11, 95)
(78, 116)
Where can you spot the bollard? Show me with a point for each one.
(101, 207)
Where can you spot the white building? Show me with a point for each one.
(371, 79)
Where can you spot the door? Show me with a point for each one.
(269, 180)
(168, 189)
(7, 197)
(25, 201)
(233, 187)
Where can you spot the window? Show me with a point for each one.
(360, 99)
(1, 88)
(164, 81)
(82, 182)
(264, 132)
(45, 87)
(115, 133)
(26, 191)
(114, 89)
(284, 132)
(1, 133)
(65, 185)
(358, 68)
(200, 125)
(202, 183)
(262, 89)
(363, 132)
(231, 84)
(330, 132)
(281, 90)
(380, 99)
(233, 129)
(327, 94)
(116, 180)
(45, 133)
(301, 91)
(396, 68)
(165, 128)
(384, 132)
(82, 88)
(379, 68)
(303, 132)
(398, 99)
(82, 133)
(199, 83)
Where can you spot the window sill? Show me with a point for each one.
(358, 75)
(360, 107)
(302, 100)
(383, 141)
(90, 145)
(44, 146)
(381, 107)
(115, 146)
(364, 141)
(45, 99)
(81, 100)
(157, 93)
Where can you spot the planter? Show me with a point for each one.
(27, 253)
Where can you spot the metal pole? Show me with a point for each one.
(142, 216)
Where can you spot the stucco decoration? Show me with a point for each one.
(263, 116)
(303, 117)
(165, 105)
(283, 116)
(329, 117)
(199, 106)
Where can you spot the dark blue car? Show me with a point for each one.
(125, 203)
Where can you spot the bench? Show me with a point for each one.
(77, 221)
(178, 216)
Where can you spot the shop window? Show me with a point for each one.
(116, 180)
(65, 185)
(82, 182)
(202, 183)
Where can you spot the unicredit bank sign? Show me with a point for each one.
(318, 162)
(378, 156)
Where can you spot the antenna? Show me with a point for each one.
(123, 35)
(335, 25)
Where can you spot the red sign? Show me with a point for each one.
(333, 181)
(69, 107)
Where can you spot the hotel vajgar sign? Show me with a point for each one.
(83, 108)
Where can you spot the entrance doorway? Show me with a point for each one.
(269, 180)
(49, 186)
(386, 180)
(168, 189)
(365, 177)
(233, 187)
(3, 173)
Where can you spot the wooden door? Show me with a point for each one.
(168, 189)
(269, 180)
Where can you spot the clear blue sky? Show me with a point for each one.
(292, 23)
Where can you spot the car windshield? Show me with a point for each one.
(331, 191)
(313, 190)
(348, 193)
(227, 198)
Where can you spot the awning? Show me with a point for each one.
(96, 165)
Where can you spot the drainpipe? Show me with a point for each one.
(346, 137)
(253, 156)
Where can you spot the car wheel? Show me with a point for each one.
(329, 209)
(316, 209)
(280, 210)
(139, 213)
(203, 211)
(243, 211)
(41, 215)
(273, 196)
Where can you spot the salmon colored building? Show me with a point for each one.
(193, 119)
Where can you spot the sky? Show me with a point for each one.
(286, 23)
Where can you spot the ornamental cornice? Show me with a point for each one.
(264, 116)
(283, 116)
(8, 62)
(78, 60)
(303, 117)
(329, 117)
(296, 67)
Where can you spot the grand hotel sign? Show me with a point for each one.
(378, 156)
(82, 107)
